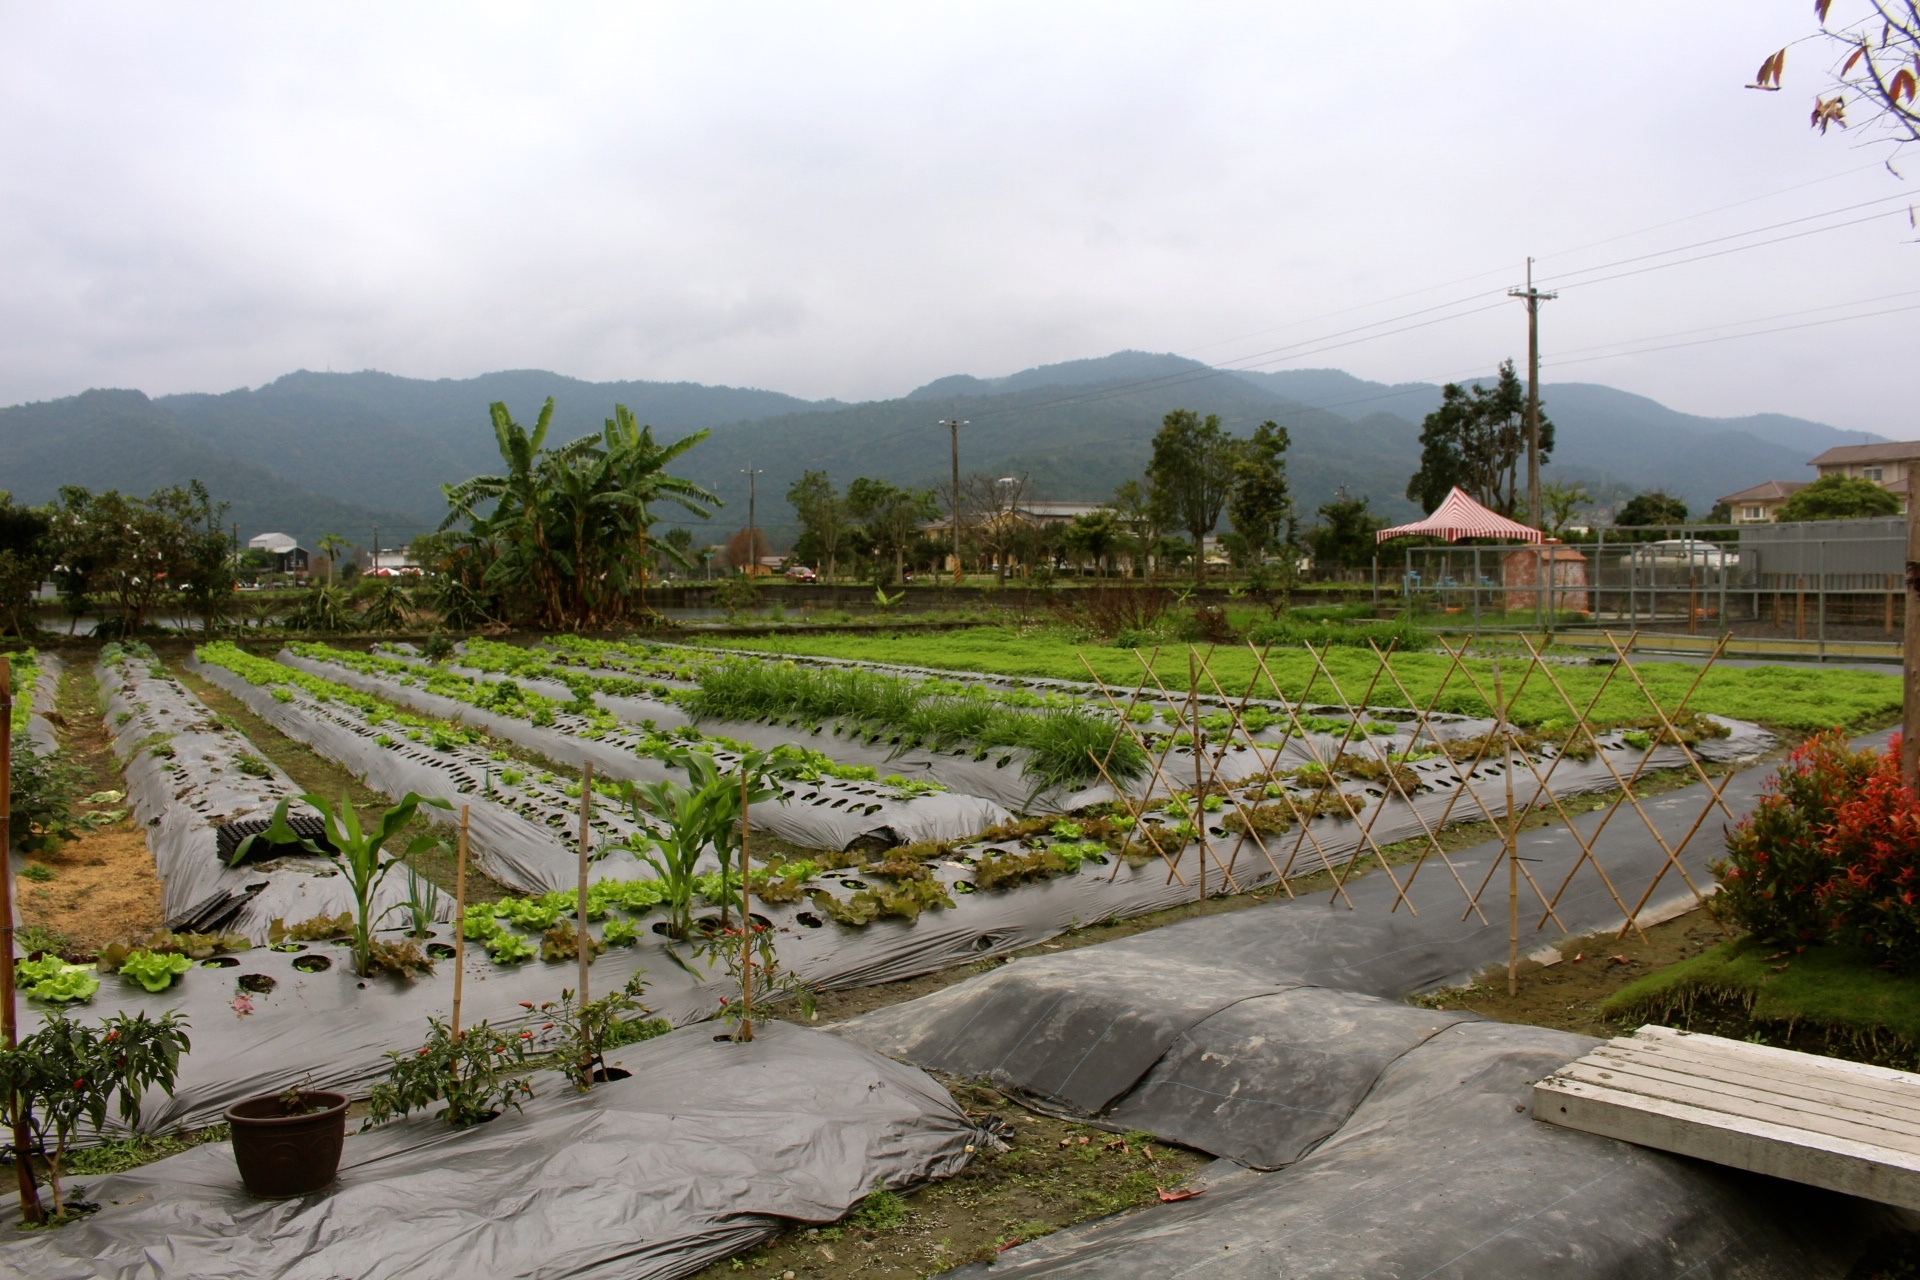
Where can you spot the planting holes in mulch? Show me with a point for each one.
(603, 1074)
(220, 962)
(316, 964)
(288, 1144)
(435, 951)
(258, 983)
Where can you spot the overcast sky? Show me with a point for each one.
(849, 201)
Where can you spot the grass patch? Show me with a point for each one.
(1833, 995)
(1794, 698)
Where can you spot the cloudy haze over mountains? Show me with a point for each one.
(856, 200)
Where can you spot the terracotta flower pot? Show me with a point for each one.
(281, 1155)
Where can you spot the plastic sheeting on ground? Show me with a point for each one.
(1074, 1031)
(184, 796)
(828, 814)
(514, 849)
(45, 696)
(707, 1149)
(1441, 1172)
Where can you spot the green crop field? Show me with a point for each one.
(1794, 698)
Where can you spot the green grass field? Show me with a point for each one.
(1793, 698)
(1839, 990)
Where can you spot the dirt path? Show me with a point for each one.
(100, 887)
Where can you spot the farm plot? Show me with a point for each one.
(198, 787)
(36, 683)
(830, 806)
(521, 816)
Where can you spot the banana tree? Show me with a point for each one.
(360, 853)
(637, 462)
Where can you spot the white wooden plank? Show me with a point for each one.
(1852, 1168)
(1826, 1122)
(1827, 1092)
(1880, 1082)
(1706, 1096)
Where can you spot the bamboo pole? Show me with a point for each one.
(746, 921)
(1199, 812)
(1508, 841)
(460, 918)
(9, 1014)
(584, 944)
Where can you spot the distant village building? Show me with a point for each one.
(1889, 465)
(1761, 504)
(288, 556)
(1043, 514)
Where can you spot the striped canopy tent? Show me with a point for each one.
(1457, 517)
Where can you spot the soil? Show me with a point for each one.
(315, 773)
(1567, 995)
(1054, 1174)
(101, 886)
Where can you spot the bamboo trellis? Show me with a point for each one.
(1296, 847)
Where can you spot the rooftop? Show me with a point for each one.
(1766, 491)
(1887, 451)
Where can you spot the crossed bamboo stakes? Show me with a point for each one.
(1307, 852)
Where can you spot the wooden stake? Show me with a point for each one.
(746, 922)
(459, 918)
(585, 946)
(9, 1014)
(1509, 844)
(1199, 811)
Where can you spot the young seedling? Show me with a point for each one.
(361, 854)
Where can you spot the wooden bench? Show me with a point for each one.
(1825, 1122)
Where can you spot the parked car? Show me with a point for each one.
(800, 573)
(1682, 553)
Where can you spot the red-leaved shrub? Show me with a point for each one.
(1830, 854)
(1776, 860)
(1872, 899)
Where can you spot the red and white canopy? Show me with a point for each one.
(1461, 517)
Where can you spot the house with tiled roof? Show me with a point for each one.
(1761, 504)
(1889, 464)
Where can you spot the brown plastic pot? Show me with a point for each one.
(282, 1156)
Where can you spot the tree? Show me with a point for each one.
(892, 516)
(1133, 509)
(995, 523)
(1093, 536)
(1561, 502)
(1838, 497)
(823, 515)
(26, 558)
(1192, 472)
(1878, 58)
(677, 547)
(1655, 508)
(1260, 507)
(1477, 440)
(330, 546)
(135, 549)
(1344, 536)
(566, 539)
(746, 548)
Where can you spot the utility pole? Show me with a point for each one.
(753, 533)
(1533, 299)
(953, 425)
(375, 562)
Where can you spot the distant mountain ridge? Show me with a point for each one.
(311, 453)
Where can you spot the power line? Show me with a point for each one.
(1785, 328)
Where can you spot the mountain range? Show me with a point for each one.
(311, 453)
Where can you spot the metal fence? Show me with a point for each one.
(1819, 581)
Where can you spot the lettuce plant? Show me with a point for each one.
(54, 981)
(154, 970)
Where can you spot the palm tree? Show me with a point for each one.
(638, 463)
(518, 498)
(331, 545)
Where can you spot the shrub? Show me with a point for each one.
(471, 1072)
(1872, 898)
(1110, 611)
(1776, 861)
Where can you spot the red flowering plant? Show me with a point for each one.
(473, 1073)
(1872, 898)
(1777, 858)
